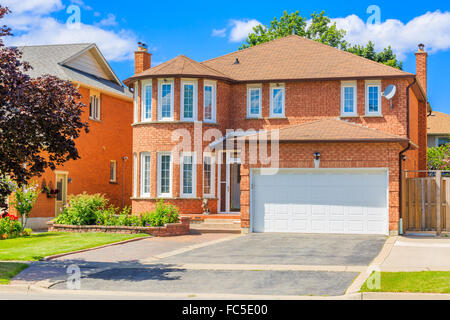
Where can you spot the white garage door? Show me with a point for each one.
(321, 201)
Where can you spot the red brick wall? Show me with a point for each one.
(109, 139)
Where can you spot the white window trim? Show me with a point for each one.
(195, 102)
(144, 98)
(135, 175)
(136, 96)
(160, 83)
(250, 88)
(213, 84)
(213, 175)
(277, 86)
(194, 175)
(349, 84)
(114, 180)
(373, 83)
(165, 195)
(142, 193)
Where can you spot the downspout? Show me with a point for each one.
(400, 160)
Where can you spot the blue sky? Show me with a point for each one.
(206, 29)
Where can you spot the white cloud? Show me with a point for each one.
(38, 27)
(220, 33)
(431, 29)
(36, 7)
(110, 20)
(241, 29)
(81, 4)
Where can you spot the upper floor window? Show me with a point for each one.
(165, 174)
(145, 174)
(254, 102)
(209, 109)
(94, 106)
(165, 100)
(147, 100)
(373, 98)
(348, 98)
(188, 100)
(277, 100)
(188, 174)
(136, 96)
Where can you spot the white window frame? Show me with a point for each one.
(97, 109)
(349, 84)
(195, 100)
(136, 97)
(113, 164)
(213, 175)
(194, 175)
(147, 83)
(251, 88)
(162, 82)
(274, 86)
(373, 83)
(144, 194)
(135, 175)
(169, 194)
(212, 84)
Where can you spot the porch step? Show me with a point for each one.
(217, 226)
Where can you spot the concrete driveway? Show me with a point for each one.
(256, 264)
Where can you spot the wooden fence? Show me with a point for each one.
(426, 201)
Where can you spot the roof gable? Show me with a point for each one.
(297, 58)
(438, 123)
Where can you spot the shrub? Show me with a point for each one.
(10, 227)
(82, 209)
(25, 198)
(163, 214)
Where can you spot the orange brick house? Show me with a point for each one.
(290, 135)
(105, 152)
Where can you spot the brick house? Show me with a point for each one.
(290, 136)
(102, 166)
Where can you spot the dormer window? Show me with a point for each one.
(94, 106)
(373, 98)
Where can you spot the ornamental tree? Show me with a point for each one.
(319, 28)
(438, 158)
(40, 118)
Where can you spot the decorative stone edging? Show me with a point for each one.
(169, 230)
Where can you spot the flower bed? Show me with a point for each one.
(168, 230)
(92, 213)
(11, 228)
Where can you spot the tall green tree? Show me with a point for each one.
(319, 29)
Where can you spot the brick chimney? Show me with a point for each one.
(421, 66)
(142, 59)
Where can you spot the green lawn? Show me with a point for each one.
(425, 282)
(42, 245)
(9, 270)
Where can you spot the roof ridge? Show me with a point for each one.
(57, 44)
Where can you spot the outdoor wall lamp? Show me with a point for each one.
(317, 160)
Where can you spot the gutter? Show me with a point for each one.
(400, 160)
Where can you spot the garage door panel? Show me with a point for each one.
(322, 202)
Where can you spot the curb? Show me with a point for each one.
(94, 248)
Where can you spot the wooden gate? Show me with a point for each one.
(426, 202)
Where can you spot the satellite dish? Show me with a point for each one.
(390, 92)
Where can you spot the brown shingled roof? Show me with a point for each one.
(438, 123)
(179, 66)
(296, 58)
(332, 130)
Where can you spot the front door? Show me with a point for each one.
(61, 197)
(229, 182)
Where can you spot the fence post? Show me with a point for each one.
(438, 202)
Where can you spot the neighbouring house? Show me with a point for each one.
(335, 150)
(105, 152)
(438, 129)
